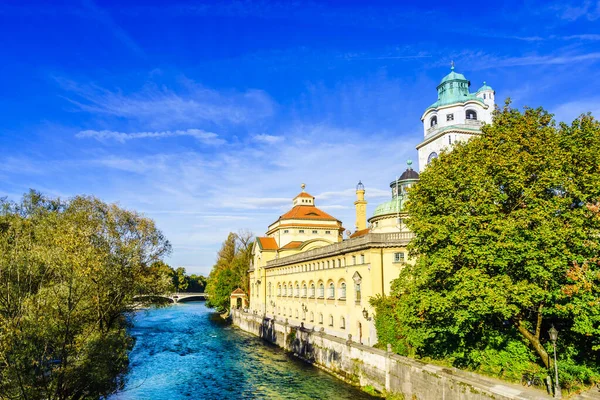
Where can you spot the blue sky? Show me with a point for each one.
(207, 116)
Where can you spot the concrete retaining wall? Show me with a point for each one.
(367, 366)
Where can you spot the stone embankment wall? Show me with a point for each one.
(367, 366)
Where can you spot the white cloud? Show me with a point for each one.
(268, 139)
(209, 138)
(161, 107)
(567, 112)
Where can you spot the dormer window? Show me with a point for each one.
(301, 231)
(433, 121)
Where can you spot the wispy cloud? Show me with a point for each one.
(567, 112)
(164, 108)
(589, 10)
(268, 139)
(209, 138)
(102, 16)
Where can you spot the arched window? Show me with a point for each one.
(321, 318)
(343, 291)
(312, 317)
(312, 290)
(321, 290)
(297, 290)
(304, 290)
(269, 289)
(433, 121)
(471, 114)
(284, 290)
(343, 323)
(296, 314)
(291, 291)
(303, 315)
(331, 290)
(431, 157)
(279, 290)
(357, 290)
(331, 320)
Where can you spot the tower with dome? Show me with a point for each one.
(456, 115)
(304, 273)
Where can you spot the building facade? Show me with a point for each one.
(304, 272)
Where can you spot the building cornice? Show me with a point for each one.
(450, 129)
(371, 240)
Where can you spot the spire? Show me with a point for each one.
(452, 65)
(303, 186)
(360, 206)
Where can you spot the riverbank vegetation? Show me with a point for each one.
(70, 271)
(230, 271)
(507, 244)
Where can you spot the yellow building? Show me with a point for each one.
(304, 272)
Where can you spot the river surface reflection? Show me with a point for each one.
(184, 351)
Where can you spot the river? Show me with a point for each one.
(185, 351)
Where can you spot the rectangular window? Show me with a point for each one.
(353, 260)
(362, 258)
(314, 231)
(301, 231)
(450, 117)
(286, 231)
(357, 291)
(398, 257)
(327, 232)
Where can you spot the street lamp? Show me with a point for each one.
(553, 337)
(365, 314)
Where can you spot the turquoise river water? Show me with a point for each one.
(185, 351)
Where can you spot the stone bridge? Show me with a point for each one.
(182, 297)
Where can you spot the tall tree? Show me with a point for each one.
(230, 270)
(69, 273)
(499, 222)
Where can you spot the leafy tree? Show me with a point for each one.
(180, 280)
(230, 270)
(69, 273)
(499, 223)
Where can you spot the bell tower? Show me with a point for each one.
(361, 207)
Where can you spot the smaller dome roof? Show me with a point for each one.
(484, 87)
(393, 206)
(409, 173)
(452, 76)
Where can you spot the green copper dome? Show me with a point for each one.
(484, 87)
(393, 206)
(453, 89)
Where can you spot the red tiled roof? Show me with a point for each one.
(267, 243)
(304, 194)
(307, 212)
(362, 232)
(293, 245)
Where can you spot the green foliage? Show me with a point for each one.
(506, 244)
(230, 271)
(69, 273)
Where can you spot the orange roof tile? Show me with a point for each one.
(293, 245)
(304, 194)
(307, 212)
(362, 232)
(238, 291)
(267, 243)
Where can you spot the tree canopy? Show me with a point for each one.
(230, 271)
(69, 273)
(506, 244)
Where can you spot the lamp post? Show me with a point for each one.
(553, 336)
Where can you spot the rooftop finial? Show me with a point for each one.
(452, 65)
(484, 83)
(409, 162)
(303, 186)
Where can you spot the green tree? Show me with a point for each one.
(499, 222)
(69, 273)
(180, 280)
(230, 270)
